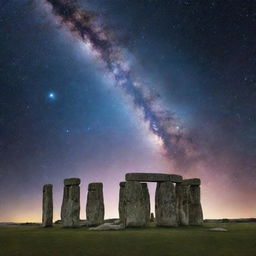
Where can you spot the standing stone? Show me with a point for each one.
(134, 204)
(121, 204)
(70, 209)
(195, 208)
(182, 203)
(95, 204)
(47, 206)
(165, 204)
(146, 201)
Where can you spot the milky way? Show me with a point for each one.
(84, 24)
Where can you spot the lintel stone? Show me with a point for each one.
(153, 177)
(192, 182)
(72, 182)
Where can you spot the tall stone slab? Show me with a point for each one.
(95, 204)
(146, 201)
(121, 204)
(165, 204)
(195, 208)
(134, 201)
(47, 206)
(70, 209)
(182, 203)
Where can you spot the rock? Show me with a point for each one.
(108, 226)
(152, 218)
(175, 178)
(112, 220)
(146, 201)
(134, 204)
(193, 182)
(182, 203)
(47, 206)
(72, 182)
(165, 204)
(117, 222)
(195, 208)
(83, 223)
(152, 177)
(70, 209)
(95, 204)
(121, 205)
(218, 229)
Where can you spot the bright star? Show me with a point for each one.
(52, 95)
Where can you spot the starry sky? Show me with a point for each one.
(95, 89)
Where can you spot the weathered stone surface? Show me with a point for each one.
(70, 209)
(108, 226)
(165, 204)
(121, 204)
(182, 203)
(175, 178)
(47, 206)
(146, 202)
(95, 204)
(195, 208)
(134, 204)
(72, 182)
(152, 177)
(193, 182)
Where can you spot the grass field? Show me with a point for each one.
(197, 241)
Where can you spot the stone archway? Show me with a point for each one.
(174, 205)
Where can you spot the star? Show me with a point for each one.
(52, 95)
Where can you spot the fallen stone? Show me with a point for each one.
(72, 182)
(95, 204)
(134, 204)
(165, 204)
(193, 182)
(83, 223)
(152, 177)
(47, 206)
(218, 229)
(108, 226)
(112, 220)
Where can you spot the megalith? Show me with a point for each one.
(134, 204)
(95, 204)
(152, 177)
(195, 207)
(146, 201)
(165, 204)
(47, 206)
(121, 203)
(70, 209)
(182, 203)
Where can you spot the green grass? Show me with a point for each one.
(187, 241)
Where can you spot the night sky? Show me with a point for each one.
(95, 89)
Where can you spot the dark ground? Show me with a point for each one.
(34, 240)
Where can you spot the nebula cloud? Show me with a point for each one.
(85, 25)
